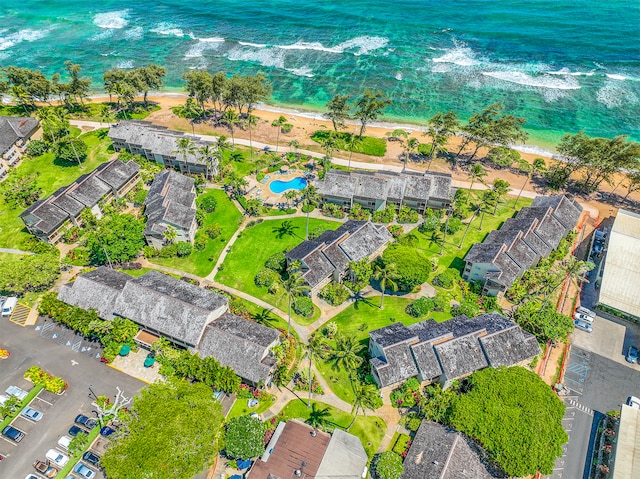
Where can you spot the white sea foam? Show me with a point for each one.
(204, 44)
(398, 76)
(613, 95)
(267, 57)
(169, 29)
(358, 46)
(134, 33)
(125, 64)
(539, 81)
(117, 19)
(26, 35)
(255, 45)
(460, 55)
(615, 76)
(565, 71)
(304, 71)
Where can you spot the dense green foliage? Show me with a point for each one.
(407, 215)
(266, 277)
(515, 416)
(244, 437)
(21, 190)
(368, 145)
(302, 305)
(116, 238)
(389, 466)
(334, 293)
(164, 439)
(543, 321)
(420, 307)
(412, 266)
(29, 273)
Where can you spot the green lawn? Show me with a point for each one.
(52, 174)
(274, 320)
(368, 145)
(251, 250)
(241, 407)
(202, 262)
(370, 429)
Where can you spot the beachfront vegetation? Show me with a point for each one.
(162, 420)
(367, 145)
(369, 107)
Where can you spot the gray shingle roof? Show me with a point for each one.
(366, 241)
(240, 344)
(170, 200)
(509, 346)
(336, 183)
(13, 129)
(418, 187)
(426, 360)
(169, 306)
(371, 186)
(116, 174)
(319, 268)
(440, 452)
(393, 334)
(461, 356)
(399, 366)
(483, 252)
(96, 289)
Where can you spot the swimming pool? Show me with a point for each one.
(297, 183)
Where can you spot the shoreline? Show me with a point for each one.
(537, 149)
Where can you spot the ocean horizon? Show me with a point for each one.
(565, 66)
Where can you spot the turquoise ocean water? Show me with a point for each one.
(565, 65)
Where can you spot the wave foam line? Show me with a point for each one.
(114, 20)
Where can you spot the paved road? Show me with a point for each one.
(29, 348)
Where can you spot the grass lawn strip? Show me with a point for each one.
(241, 407)
(26, 401)
(253, 247)
(369, 429)
(52, 175)
(73, 460)
(200, 263)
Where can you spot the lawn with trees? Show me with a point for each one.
(254, 246)
(369, 429)
(217, 227)
(161, 420)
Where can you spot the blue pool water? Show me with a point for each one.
(294, 184)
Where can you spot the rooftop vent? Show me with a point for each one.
(297, 473)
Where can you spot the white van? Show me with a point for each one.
(9, 304)
(586, 311)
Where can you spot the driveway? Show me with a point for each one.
(60, 356)
(599, 380)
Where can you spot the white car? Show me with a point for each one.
(586, 311)
(31, 413)
(633, 402)
(17, 392)
(3, 399)
(57, 457)
(64, 442)
(583, 317)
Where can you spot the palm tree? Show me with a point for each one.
(236, 156)
(366, 396)
(315, 350)
(346, 354)
(310, 195)
(489, 199)
(571, 269)
(500, 188)
(437, 238)
(291, 195)
(387, 274)
(263, 316)
(222, 143)
(295, 145)
(185, 146)
(476, 172)
(208, 152)
(281, 120)
(352, 142)
(231, 119)
(286, 228)
(411, 148)
(318, 418)
(106, 115)
(329, 143)
(292, 287)
(170, 234)
(441, 127)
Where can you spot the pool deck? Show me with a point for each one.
(260, 190)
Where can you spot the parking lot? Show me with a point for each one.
(599, 380)
(63, 354)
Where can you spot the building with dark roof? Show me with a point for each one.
(298, 450)
(453, 349)
(374, 191)
(521, 242)
(440, 452)
(326, 258)
(15, 132)
(157, 143)
(47, 219)
(171, 202)
(187, 315)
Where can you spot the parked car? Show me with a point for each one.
(31, 413)
(45, 469)
(9, 305)
(3, 399)
(583, 317)
(106, 431)
(633, 402)
(84, 471)
(632, 354)
(586, 311)
(75, 430)
(57, 457)
(583, 325)
(12, 433)
(17, 392)
(31, 476)
(85, 421)
(91, 458)
(64, 442)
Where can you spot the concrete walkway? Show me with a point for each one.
(14, 251)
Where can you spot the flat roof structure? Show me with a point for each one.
(627, 452)
(620, 287)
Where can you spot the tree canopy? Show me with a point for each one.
(338, 111)
(163, 437)
(29, 273)
(389, 466)
(515, 416)
(369, 107)
(244, 437)
(116, 239)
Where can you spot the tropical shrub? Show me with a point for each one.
(395, 230)
(447, 278)
(214, 231)
(453, 225)
(244, 437)
(389, 466)
(386, 215)
(407, 395)
(332, 210)
(334, 293)
(420, 307)
(401, 447)
(303, 306)
(276, 262)
(208, 203)
(357, 212)
(407, 215)
(36, 148)
(266, 277)
(431, 222)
